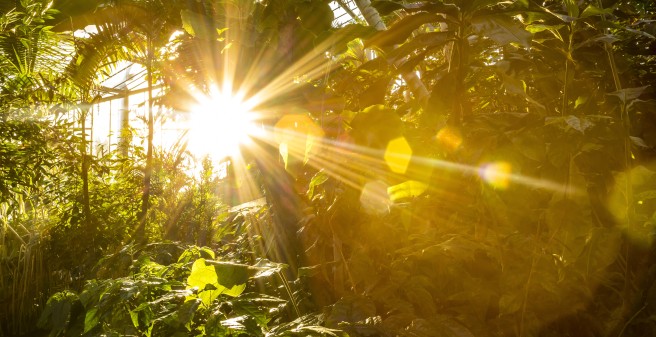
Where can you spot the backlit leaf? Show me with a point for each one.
(592, 10)
(386, 7)
(502, 29)
(232, 276)
(408, 189)
(401, 30)
(201, 275)
(628, 94)
(572, 8)
(91, 319)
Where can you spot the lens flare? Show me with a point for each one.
(497, 174)
(398, 154)
(449, 138)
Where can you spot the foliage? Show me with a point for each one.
(515, 86)
(517, 199)
(171, 291)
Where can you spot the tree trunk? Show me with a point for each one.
(140, 234)
(84, 174)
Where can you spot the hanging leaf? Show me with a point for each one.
(266, 268)
(592, 10)
(639, 142)
(204, 278)
(406, 190)
(342, 36)
(400, 31)
(318, 179)
(232, 276)
(283, 149)
(628, 94)
(197, 25)
(502, 29)
(572, 8)
(604, 38)
(386, 7)
(92, 318)
(452, 327)
(578, 124)
(201, 275)
(420, 41)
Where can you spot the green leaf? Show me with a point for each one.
(482, 4)
(266, 268)
(232, 276)
(312, 331)
(201, 275)
(283, 149)
(401, 30)
(420, 41)
(572, 8)
(318, 179)
(592, 10)
(134, 316)
(406, 190)
(92, 318)
(628, 94)
(208, 251)
(502, 29)
(57, 314)
(580, 101)
(538, 27)
(342, 36)
(578, 124)
(604, 38)
(386, 7)
(188, 17)
(639, 142)
(452, 327)
(248, 308)
(197, 25)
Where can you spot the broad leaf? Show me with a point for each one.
(232, 276)
(592, 10)
(201, 275)
(204, 278)
(406, 190)
(572, 8)
(342, 36)
(92, 317)
(318, 179)
(385, 7)
(197, 25)
(420, 41)
(502, 29)
(639, 142)
(401, 30)
(628, 94)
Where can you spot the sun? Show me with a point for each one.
(219, 124)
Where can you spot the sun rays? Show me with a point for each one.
(246, 103)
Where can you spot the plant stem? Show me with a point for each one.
(567, 70)
(528, 280)
(289, 293)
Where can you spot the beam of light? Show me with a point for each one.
(355, 165)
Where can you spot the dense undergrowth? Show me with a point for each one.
(467, 168)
